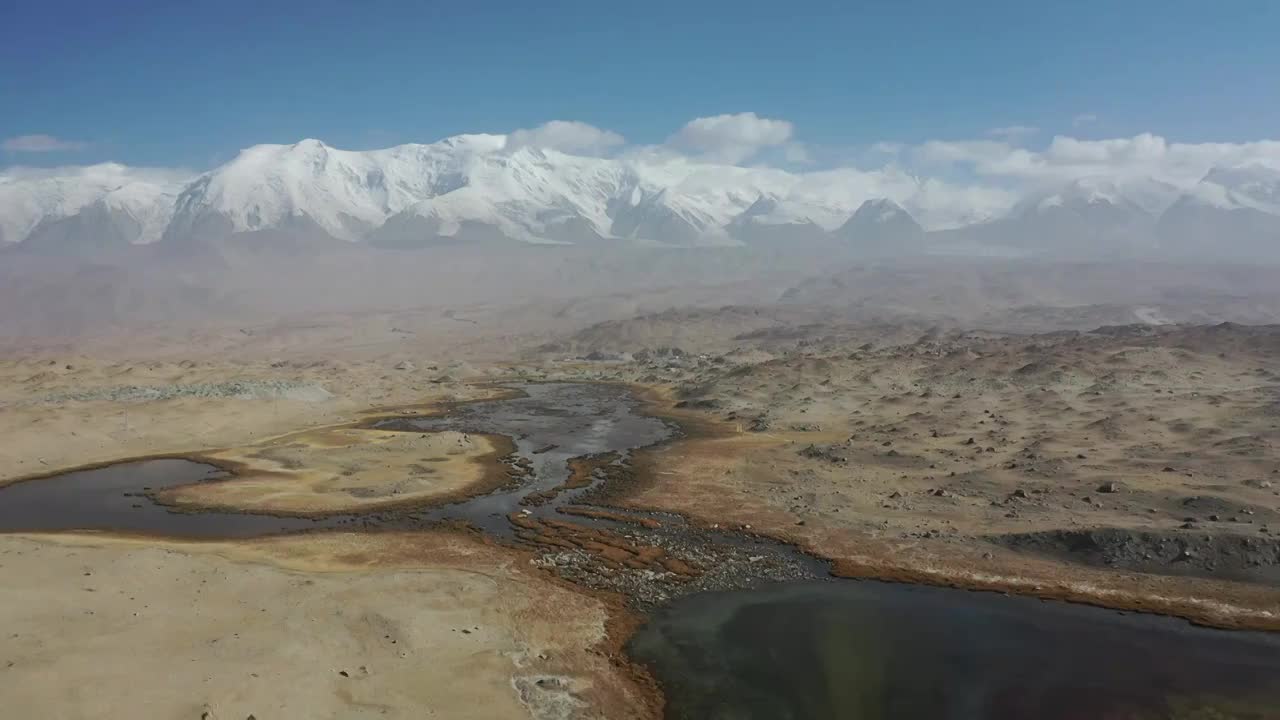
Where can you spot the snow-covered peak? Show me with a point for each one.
(489, 187)
(770, 210)
(521, 191)
(881, 210)
(1077, 194)
(346, 193)
(1253, 186)
(473, 143)
(764, 206)
(526, 194)
(881, 225)
(30, 196)
(1086, 191)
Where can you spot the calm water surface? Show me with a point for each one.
(878, 651)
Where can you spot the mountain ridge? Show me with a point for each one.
(470, 188)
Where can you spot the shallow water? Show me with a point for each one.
(572, 419)
(578, 419)
(879, 651)
(114, 498)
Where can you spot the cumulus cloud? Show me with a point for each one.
(938, 204)
(797, 153)
(39, 143)
(106, 174)
(731, 138)
(568, 136)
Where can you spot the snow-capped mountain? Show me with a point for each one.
(767, 220)
(481, 188)
(98, 204)
(309, 185)
(1086, 216)
(461, 189)
(1231, 213)
(1253, 186)
(881, 226)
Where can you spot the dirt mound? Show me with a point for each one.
(1223, 557)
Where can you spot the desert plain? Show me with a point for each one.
(1128, 465)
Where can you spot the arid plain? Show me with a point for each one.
(1129, 466)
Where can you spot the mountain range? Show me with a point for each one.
(474, 188)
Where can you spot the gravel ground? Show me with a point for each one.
(242, 389)
(725, 560)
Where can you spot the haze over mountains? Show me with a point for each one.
(486, 188)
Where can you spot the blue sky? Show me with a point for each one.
(187, 84)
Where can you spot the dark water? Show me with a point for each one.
(878, 651)
(114, 498)
(578, 419)
(571, 419)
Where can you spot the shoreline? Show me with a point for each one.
(1046, 578)
(1043, 578)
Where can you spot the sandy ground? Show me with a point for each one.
(333, 626)
(319, 626)
(60, 412)
(333, 470)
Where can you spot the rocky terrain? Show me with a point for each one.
(1130, 466)
(1148, 450)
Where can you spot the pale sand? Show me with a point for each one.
(170, 629)
(423, 625)
(42, 436)
(342, 469)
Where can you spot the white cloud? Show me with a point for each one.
(1013, 133)
(1084, 119)
(938, 204)
(731, 138)
(39, 143)
(1066, 158)
(568, 136)
(797, 153)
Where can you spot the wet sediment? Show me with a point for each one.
(562, 445)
